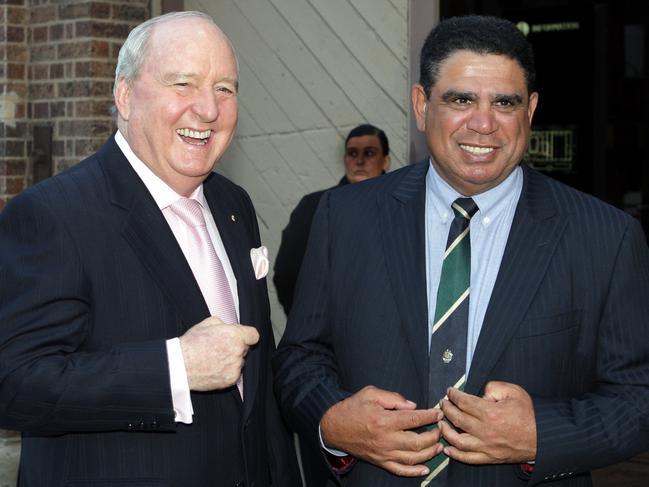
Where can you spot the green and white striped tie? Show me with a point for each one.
(447, 358)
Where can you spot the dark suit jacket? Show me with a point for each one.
(291, 250)
(568, 321)
(92, 283)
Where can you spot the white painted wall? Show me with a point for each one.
(310, 70)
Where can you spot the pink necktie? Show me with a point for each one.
(206, 265)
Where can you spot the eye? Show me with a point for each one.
(225, 90)
(352, 153)
(508, 103)
(369, 153)
(181, 85)
(462, 101)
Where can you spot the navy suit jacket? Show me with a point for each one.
(568, 320)
(92, 283)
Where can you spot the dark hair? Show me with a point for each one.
(479, 34)
(367, 129)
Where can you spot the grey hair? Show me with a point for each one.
(133, 51)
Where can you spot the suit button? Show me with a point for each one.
(240, 484)
(130, 426)
(154, 424)
(141, 424)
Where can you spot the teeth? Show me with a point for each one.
(476, 150)
(194, 134)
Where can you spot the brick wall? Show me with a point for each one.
(56, 70)
(13, 96)
(57, 64)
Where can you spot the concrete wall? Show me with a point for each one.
(310, 70)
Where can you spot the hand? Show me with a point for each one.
(214, 353)
(500, 427)
(373, 425)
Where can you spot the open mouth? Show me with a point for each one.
(479, 151)
(194, 137)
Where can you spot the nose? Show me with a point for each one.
(482, 120)
(206, 106)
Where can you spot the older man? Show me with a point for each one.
(467, 281)
(123, 282)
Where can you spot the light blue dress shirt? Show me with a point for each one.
(489, 231)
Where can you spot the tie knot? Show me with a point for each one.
(464, 207)
(189, 211)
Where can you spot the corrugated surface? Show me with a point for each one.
(310, 71)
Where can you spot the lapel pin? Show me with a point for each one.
(233, 218)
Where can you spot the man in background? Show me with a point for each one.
(367, 155)
(467, 321)
(123, 283)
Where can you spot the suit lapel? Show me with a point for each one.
(533, 237)
(148, 233)
(402, 215)
(226, 209)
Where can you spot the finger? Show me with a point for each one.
(411, 441)
(498, 391)
(473, 458)
(249, 334)
(212, 320)
(467, 403)
(390, 399)
(459, 418)
(404, 470)
(416, 457)
(461, 441)
(407, 420)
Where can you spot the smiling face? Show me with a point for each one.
(364, 158)
(179, 114)
(476, 120)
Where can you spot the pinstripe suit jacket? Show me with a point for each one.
(568, 320)
(92, 283)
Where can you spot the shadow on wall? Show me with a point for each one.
(9, 453)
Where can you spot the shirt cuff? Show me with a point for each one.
(180, 396)
(335, 453)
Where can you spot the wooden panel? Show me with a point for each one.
(310, 70)
(300, 61)
(366, 94)
(277, 84)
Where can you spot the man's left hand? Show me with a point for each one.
(498, 427)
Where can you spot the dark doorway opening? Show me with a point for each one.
(591, 127)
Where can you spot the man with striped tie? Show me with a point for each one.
(466, 321)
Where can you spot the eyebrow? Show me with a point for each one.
(514, 99)
(171, 77)
(174, 76)
(362, 147)
(454, 95)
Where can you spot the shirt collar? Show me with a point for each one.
(490, 203)
(162, 193)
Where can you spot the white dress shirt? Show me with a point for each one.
(164, 197)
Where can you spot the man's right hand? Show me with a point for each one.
(214, 353)
(375, 424)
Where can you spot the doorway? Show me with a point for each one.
(591, 129)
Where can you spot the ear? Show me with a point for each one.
(419, 105)
(122, 98)
(386, 163)
(534, 100)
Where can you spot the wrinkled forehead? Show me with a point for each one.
(175, 39)
(465, 65)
